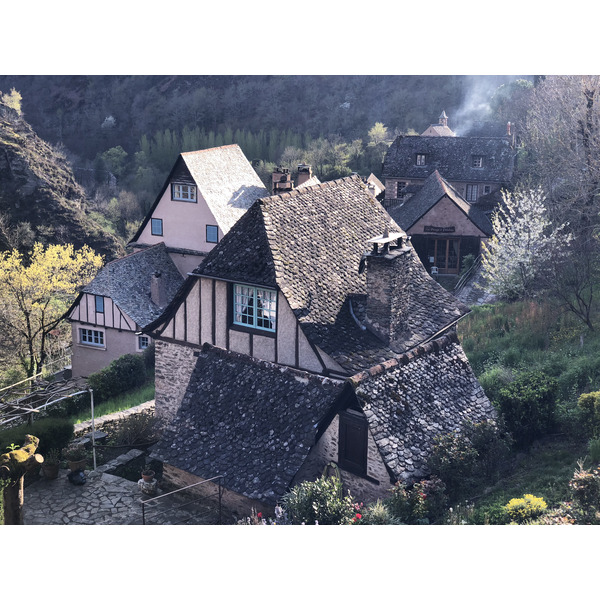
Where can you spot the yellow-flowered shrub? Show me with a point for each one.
(523, 509)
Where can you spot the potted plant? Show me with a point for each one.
(51, 463)
(147, 474)
(75, 457)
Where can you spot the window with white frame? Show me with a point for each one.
(156, 226)
(472, 191)
(99, 304)
(212, 234)
(143, 342)
(91, 337)
(420, 160)
(183, 192)
(254, 307)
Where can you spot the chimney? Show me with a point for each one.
(158, 292)
(281, 180)
(508, 128)
(304, 174)
(387, 267)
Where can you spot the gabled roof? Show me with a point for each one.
(225, 179)
(405, 418)
(309, 243)
(433, 190)
(451, 156)
(249, 420)
(127, 282)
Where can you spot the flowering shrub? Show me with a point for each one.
(526, 508)
(320, 501)
(376, 513)
(425, 501)
(585, 489)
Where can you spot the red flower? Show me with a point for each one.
(259, 515)
(358, 516)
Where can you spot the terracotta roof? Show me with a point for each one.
(451, 156)
(251, 421)
(127, 282)
(433, 190)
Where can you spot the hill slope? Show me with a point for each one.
(37, 186)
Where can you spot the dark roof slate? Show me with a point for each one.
(410, 400)
(432, 191)
(309, 243)
(451, 156)
(127, 282)
(251, 421)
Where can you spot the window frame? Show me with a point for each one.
(154, 221)
(357, 421)
(470, 189)
(239, 291)
(178, 196)
(477, 161)
(99, 304)
(92, 334)
(139, 344)
(421, 160)
(216, 231)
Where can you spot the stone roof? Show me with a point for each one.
(410, 400)
(309, 243)
(251, 421)
(314, 180)
(127, 282)
(225, 179)
(433, 190)
(451, 156)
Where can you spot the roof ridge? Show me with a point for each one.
(210, 149)
(320, 185)
(154, 246)
(404, 358)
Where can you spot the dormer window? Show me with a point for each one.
(183, 192)
(212, 234)
(420, 160)
(99, 304)
(477, 161)
(254, 307)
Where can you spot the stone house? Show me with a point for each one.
(204, 195)
(475, 166)
(312, 334)
(443, 227)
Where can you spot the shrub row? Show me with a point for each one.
(52, 433)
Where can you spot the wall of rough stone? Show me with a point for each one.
(174, 364)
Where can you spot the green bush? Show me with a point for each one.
(319, 501)
(149, 355)
(492, 444)
(527, 406)
(123, 374)
(453, 459)
(520, 510)
(52, 433)
(424, 502)
(594, 450)
(493, 379)
(589, 405)
(585, 488)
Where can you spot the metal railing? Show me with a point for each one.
(219, 493)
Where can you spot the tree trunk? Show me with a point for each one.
(13, 503)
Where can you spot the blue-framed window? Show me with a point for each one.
(91, 337)
(156, 226)
(183, 192)
(254, 307)
(143, 342)
(99, 304)
(212, 234)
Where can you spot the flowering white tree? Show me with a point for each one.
(524, 247)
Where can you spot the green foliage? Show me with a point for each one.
(319, 501)
(453, 459)
(589, 405)
(521, 510)
(493, 447)
(467, 262)
(12, 100)
(52, 433)
(136, 430)
(123, 374)
(527, 406)
(377, 513)
(423, 502)
(594, 450)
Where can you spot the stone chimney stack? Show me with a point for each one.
(158, 292)
(304, 174)
(387, 269)
(281, 180)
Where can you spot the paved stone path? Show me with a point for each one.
(104, 499)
